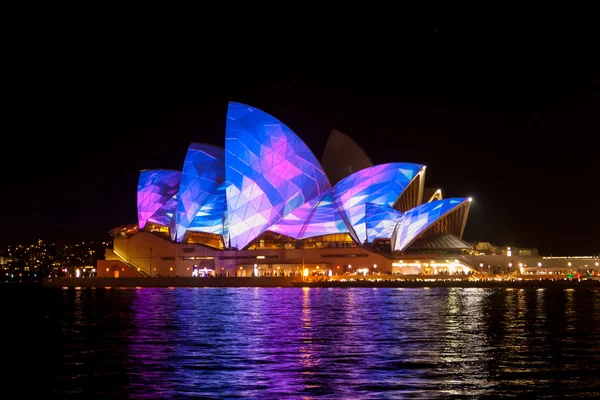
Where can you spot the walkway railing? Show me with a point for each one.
(131, 264)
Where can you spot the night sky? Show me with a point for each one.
(515, 127)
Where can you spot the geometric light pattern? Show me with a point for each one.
(268, 179)
(317, 217)
(270, 172)
(292, 224)
(325, 220)
(381, 185)
(416, 221)
(211, 216)
(203, 172)
(156, 190)
(164, 215)
(380, 221)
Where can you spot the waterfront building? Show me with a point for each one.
(264, 205)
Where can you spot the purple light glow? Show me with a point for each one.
(203, 172)
(269, 170)
(155, 193)
(379, 185)
(319, 216)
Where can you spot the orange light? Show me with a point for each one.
(171, 269)
(106, 269)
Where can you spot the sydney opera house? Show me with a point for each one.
(264, 205)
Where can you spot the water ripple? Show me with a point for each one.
(325, 343)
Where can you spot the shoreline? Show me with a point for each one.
(281, 282)
(515, 284)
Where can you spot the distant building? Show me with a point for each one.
(485, 248)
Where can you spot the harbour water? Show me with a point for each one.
(302, 342)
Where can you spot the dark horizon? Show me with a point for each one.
(514, 130)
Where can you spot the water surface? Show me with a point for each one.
(305, 343)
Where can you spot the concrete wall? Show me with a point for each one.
(115, 268)
(338, 260)
(161, 257)
(178, 259)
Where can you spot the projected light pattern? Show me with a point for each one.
(317, 217)
(266, 178)
(270, 172)
(292, 224)
(380, 184)
(380, 221)
(203, 172)
(211, 216)
(157, 189)
(325, 220)
(164, 215)
(416, 221)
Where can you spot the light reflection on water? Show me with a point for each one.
(327, 343)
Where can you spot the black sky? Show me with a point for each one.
(513, 125)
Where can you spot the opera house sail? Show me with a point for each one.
(267, 185)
